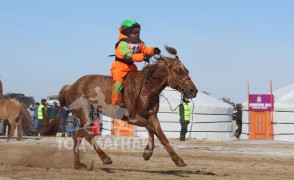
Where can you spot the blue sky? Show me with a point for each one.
(224, 43)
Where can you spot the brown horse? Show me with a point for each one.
(141, 96)
(14, 111)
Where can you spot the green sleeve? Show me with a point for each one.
(125, 49)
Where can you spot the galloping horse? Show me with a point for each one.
(141, 96)
(14, 111)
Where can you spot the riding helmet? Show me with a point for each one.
(128, 25)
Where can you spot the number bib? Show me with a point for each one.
(135, 47)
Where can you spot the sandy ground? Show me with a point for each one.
(52, 158)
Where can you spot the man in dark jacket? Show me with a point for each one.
(6, 124)
(184, 117)
(53, 110)
(238, 117)
(63, 117)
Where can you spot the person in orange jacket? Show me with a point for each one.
(129, 49)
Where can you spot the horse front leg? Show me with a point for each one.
(11, 133)
(140, 121)
(164, 141)
(106, 159)
(77, 138)
(149, 147)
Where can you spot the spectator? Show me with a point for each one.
(184, 117)
(42, 116)
(53, 110)
(5, 125)
(238, 117)
(47, 105)
(72, 124)
(35, 116)
(63, 117)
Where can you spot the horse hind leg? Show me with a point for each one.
(104, 158)
(149, 147)
(77, 138)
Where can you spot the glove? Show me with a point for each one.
(128, 60)
(156, 51)
(146, 58)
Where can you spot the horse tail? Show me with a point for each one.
(26, 113)
(62, 95)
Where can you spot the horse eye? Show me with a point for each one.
(178, 72)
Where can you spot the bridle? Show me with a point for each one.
(183, 90)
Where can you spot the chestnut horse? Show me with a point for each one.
(141, 97)
(14, 111)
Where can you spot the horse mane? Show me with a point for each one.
(159, 68)
(172, 51)
(151, 68)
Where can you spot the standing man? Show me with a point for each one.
(238, 117)
(5, 126)
(35, 116)
(53, 110)
(42, 116)
(63, 117)
(184, 117)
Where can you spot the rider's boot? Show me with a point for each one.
(120, 104)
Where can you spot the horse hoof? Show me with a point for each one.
(107, 160)
(147, 155)
(181, 163)
(80, 166)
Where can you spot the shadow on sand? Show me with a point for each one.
(180, 173)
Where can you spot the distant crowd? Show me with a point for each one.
(42, 115)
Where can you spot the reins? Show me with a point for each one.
(167, 101)
(141, 85)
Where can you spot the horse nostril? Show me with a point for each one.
(194, 92)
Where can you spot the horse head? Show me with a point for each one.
(178, 76)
